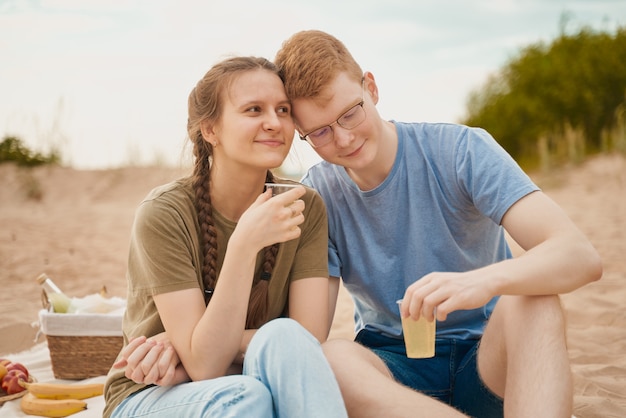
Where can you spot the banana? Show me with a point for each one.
(64, 391)
(33, 405)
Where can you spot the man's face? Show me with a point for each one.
(334, 120)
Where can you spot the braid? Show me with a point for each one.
(208, 234)
(258, 305)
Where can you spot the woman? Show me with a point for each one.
(214, 260)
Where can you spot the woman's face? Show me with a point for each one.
(256, 128)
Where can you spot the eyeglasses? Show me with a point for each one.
(352, 118)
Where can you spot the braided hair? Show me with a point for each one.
(204, 104)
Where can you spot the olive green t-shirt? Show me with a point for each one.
(165, 257)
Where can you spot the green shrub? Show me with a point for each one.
(13, 149)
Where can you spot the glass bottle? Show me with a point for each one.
(58, 300)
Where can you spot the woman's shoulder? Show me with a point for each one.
(173, 197)
(174, 190)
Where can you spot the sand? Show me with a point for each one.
(74, 225)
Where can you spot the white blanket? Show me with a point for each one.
(37, 361)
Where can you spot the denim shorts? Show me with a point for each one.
(451, 376)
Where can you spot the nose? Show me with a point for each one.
(271, 122)
(342, 136)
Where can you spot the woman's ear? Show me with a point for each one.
(370, 86)
(208, 132)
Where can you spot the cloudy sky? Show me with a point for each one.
(106, 81)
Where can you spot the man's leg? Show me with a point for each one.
(369, 389)
(523, 357)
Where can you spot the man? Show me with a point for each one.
(419, 212)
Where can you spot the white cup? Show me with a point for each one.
(278, 188)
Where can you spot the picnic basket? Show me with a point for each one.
(82, 345)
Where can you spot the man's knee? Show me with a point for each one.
(532, 315)
(338, 350)
(346, 355)
(540, 308)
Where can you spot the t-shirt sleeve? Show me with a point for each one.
(334, 263)
(488, 175)
(311, 258)
(160, 257)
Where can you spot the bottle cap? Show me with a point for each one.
(42, 278)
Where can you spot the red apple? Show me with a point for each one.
(10, 381)
(18, 366)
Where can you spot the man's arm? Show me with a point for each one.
(558, 258)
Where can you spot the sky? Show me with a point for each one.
(106, 81)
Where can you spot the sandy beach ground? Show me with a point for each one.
(74, 225)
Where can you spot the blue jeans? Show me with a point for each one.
(285, 374)
(451, 376)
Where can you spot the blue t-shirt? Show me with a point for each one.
(439, 209)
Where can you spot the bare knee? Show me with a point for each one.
(363, 378)
(346, 357)
(539, 308)
(544, 302)
(338, 350)
(522, 329)
(533, 315)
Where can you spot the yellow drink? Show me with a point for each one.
(419, 337)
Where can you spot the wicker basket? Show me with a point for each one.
(82, 357)
(82, 346)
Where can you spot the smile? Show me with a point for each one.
(271, 142)
(353, 153)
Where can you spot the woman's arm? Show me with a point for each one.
(308, 304)
(154, 360)
(333, 294)
(151, 361)
(209, 339)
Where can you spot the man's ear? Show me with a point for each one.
(370, 86)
